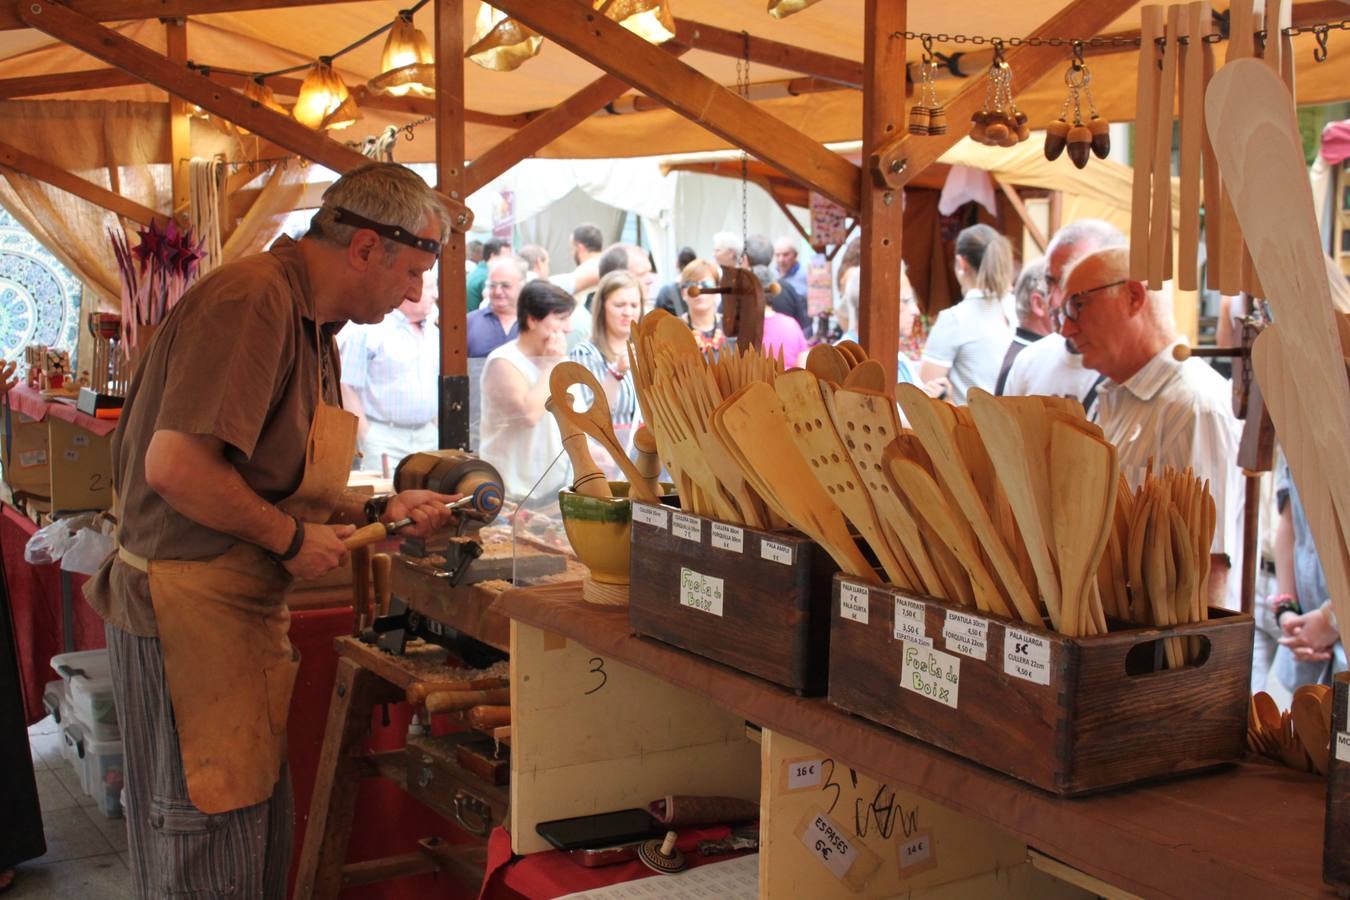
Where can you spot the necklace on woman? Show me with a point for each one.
(616, 372)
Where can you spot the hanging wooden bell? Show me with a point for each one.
(1079, 145)
(937, 120)
(918, 120)
(1101, 136)
(1056, 134)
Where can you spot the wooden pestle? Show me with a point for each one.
(589, 480)
(648, 463)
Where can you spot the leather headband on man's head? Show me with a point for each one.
(343, 216)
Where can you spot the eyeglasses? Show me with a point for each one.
(500, 285)
(1073, 304)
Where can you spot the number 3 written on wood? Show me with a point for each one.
(598, 668)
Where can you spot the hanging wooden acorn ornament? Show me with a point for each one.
(937, 113)
(1069, 132)
(1000, 123)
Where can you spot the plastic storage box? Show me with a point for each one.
(100, 766)
(88, 680)
(55, 698)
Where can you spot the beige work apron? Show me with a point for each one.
(223, 629)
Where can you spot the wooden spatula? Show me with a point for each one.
(754, 421)
(1003, 439)
(827, 363)
(934, 424)
(1312, 730)
(1083, 484)
(814, 435)
(852, 352)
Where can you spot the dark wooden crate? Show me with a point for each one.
(1336, 844)
(1092, 726)
(773, 620)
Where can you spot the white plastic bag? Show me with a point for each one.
(49, 543)
(87, 551)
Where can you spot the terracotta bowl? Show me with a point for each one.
(599, 529)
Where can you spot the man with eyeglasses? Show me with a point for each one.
(1155, 410)
(1052, 366)
(494, 324)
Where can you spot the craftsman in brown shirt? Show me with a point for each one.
(229, 462)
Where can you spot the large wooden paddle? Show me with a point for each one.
(1249, 114)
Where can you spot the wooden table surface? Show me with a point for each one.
(1247, 830)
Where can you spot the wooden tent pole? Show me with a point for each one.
(453, 402)
(882, 206)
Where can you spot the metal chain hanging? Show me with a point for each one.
(743, 88)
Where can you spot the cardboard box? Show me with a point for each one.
(25, 453)
(81, 467)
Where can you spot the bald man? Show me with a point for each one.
(1150, 406)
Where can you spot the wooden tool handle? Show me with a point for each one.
(360, 589)
(453, 701)
(486, 718)
(648, 463)
(380, 566)
(588, 480)
(419, 691)
(366, 535)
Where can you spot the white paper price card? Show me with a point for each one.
(853, 602)
(700, 591)
(728, 537)
(968, 635)
(917, 852)
(932, 673)
(688, 527)
(650, 515)
(72, 455)
(829, 845)
(1343, 746)
(776, 552)
(80, 440)
(30, 458)
(802, 773)
(1026, 656)
(909, 621)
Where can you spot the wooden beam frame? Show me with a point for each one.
(26, 164)
(84, 34)
(883, 208)
(452, 300)
(895, 162)
(123, 10)
(64, 83)
(764, 52)
(546, 128)
(692, 94)
(180, 126)
(1015, 199)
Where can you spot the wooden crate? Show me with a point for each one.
(1336, 845)
(754, 600)
(1069, 715)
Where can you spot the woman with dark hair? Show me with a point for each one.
(967, 343)
(516, 435)
(618, 304)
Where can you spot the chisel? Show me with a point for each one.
(485, 499)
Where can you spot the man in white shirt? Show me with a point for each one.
(1152, 407)
(1052, 366)
(390, 373)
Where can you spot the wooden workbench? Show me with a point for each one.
(1248, 830)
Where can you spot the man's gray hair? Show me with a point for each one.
(1031, 281)
(387, 193)
(758, 250)
(726, 240)
(520, 265)
(1088, 235)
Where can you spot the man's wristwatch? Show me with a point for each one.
(376, 506)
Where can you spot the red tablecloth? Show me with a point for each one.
(388, 821)
(539, 876)
(35, 604)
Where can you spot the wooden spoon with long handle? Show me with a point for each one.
(828, 364)
(588, 480)
(934, 426)
(595, 421)
(1082, 478)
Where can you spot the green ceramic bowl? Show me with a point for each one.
(599, 529)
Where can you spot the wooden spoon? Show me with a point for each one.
(595, 421)
(852, 352)
(1083, 484)
(827, 363)
(588, 480)
(1312, 729)
(868, 375)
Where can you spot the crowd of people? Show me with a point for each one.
(1071, 324)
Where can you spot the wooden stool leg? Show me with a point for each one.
(333, 805)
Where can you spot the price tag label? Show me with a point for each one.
(728, 537)
(829, 845)
(72, 455)
(968, 635)
(909, 621)
(80, 440)
(1026, 655)
(917, 852)
(1343, 746)
(688, 527)
(700, 591)
(30, 458)
(932, 673)
(853, 602)
(650, 515)
(803, 773)
(776, 552)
